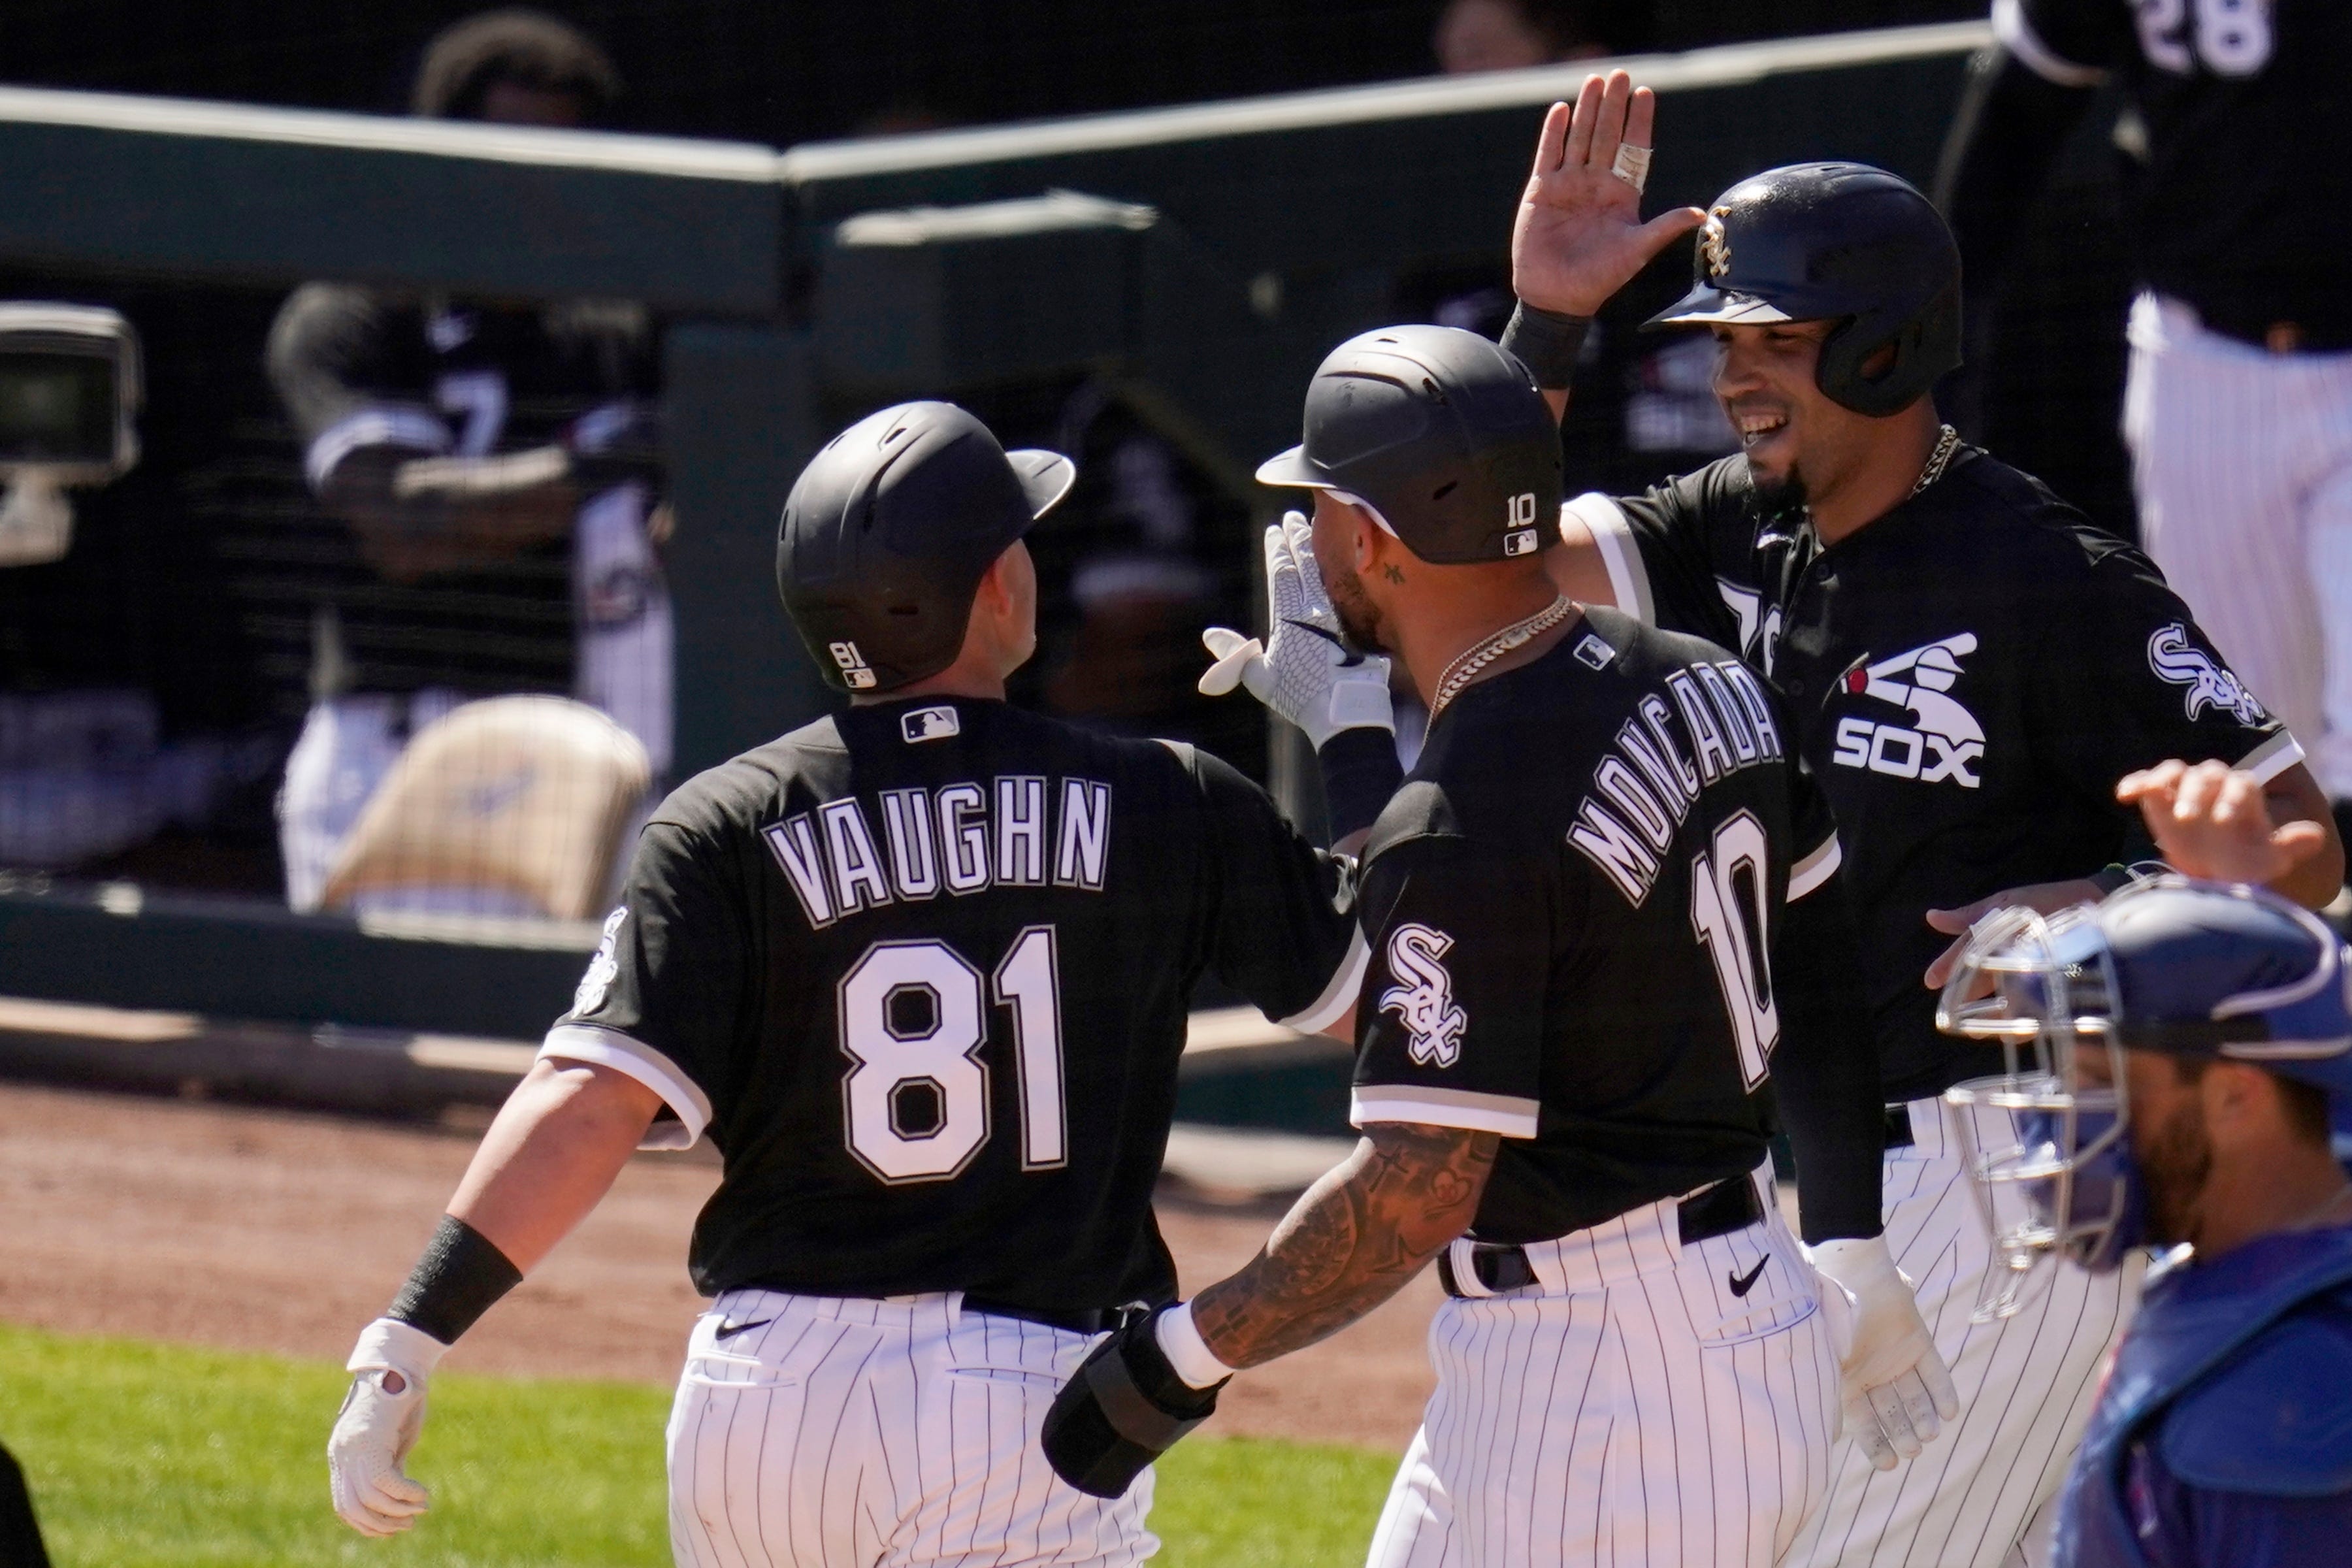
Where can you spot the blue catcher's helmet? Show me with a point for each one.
(2189, 968)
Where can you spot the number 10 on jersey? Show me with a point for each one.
(912, 1023)
(1742, 953)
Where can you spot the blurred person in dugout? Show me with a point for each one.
(1133, 543)
(491, 701)
(1511, 34)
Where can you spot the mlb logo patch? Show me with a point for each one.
(854, 672)
(1521, 542)
(929, 724)
(1593, 653)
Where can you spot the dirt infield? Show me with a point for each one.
(266, 1230)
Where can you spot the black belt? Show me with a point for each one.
(1501, 1266)
(1079, 1321)
(1898, 1126)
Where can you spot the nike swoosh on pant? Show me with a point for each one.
(1740, 1287)
(729, 1331)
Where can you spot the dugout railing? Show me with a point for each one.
(1200, 258)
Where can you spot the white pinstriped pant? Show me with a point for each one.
(2026, 1383)
(1629, 1409)
(880, 1434)
(2243, 461)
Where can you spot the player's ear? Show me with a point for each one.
(2239, 1101)
(995, 595)
(1364, 536)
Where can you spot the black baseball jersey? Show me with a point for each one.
(922, 969)
(2241, 197)
(364, 368)
(1970, 676)
(1570, 906)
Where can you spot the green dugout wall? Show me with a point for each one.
(1203, 257)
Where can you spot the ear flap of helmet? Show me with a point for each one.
(1926, 344)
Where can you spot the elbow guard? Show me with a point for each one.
(1124, 1408)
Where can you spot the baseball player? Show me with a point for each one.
(498, 467)
(2183, 1043)
(920, 970)
(1597, 912)
(2237, 406)
(1968, 668)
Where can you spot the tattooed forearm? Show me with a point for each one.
(1350, 1244)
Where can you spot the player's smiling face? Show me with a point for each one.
(1796, 440)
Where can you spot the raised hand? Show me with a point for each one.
(2212, 821)
(1578, 236)
(1303, 670)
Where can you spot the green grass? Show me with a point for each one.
(142, 1455)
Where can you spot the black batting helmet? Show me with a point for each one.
(1846, 242)
(888, 532)
(1441, 434)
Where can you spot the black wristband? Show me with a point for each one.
(460, 1277)
(1360, 771)
(1547, 343)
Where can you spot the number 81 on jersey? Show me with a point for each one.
(912, 1021)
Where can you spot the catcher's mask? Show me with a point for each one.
(2169, 965)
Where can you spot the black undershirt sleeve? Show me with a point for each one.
(1825, 1074)
(1361, 771)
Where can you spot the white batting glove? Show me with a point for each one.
(1306, 673)
(378, 1424)
(1896, 1391)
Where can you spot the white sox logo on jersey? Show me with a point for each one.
(1943, 739)
(1760, 628)
(1426, 1006)
(2177, 659)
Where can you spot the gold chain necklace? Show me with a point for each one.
(1466, 669)
(1945, 445)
